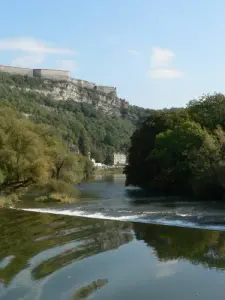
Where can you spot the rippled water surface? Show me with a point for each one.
(107, 198)
(55, 256)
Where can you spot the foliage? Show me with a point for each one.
(181, 151)
(141, 167)
(81, 126)
(33, 154)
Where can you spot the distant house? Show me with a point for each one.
(97, 165)
(119, 159)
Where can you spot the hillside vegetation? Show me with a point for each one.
(81, 126)
(181, 151)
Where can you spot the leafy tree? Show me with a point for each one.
(142, 168)
(34, 154)
(209, 110)
(181, 151)
(186, 155)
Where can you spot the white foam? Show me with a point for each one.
(141, 218)
(80, 213)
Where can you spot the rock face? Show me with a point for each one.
(61, 86)
(104, 98)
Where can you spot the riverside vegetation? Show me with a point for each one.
(80, 125)
(181, 151)
(35, 161)
(44, 143)
(177, 151)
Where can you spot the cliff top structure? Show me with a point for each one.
(67, 87)
(57, 75)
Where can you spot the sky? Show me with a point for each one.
(157, 53)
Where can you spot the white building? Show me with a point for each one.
(119, 159)
(97, 165)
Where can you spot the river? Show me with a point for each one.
(114, 244)
(107, 198)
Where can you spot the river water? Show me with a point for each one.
(107, 198)
(109, 247)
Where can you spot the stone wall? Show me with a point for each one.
(52, 74)
(84, 83)
(65, 88)
(59, 75)
(17, 70)
(106, 89)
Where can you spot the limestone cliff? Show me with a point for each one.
(61, 86)
(62, 90)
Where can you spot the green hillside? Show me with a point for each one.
(80, 125)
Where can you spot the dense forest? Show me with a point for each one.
(181, 151)
(81, 126)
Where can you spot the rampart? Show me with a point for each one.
(106, 89)
(17, 70)
(52, 74)
(62, 75)
(84, 83)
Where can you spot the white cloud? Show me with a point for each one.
(66, 64)
(161, 58)
(161, 64)
(133, 52)
(28, 61)
(166, 269)
(29, 44)
(165, 73)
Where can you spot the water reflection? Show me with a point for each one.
(43, 256)
(205, 247)
(45, 243)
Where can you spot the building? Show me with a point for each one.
(119, 159)
(52, 74)
(108, 93)
(97, 165)
(17, 70)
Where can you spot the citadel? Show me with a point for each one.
(77, 89)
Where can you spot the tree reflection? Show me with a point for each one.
(25, 235)
(204, 247)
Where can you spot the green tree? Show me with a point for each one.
(141, 168)
(188, 156)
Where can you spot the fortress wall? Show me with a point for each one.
(88, 85)
(83, 83)
(17, 70)
(106, 89)
(91, 85)
(107, 92)
(52, 74)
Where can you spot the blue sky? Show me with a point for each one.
(157, 53)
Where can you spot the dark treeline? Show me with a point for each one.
(181, 151)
